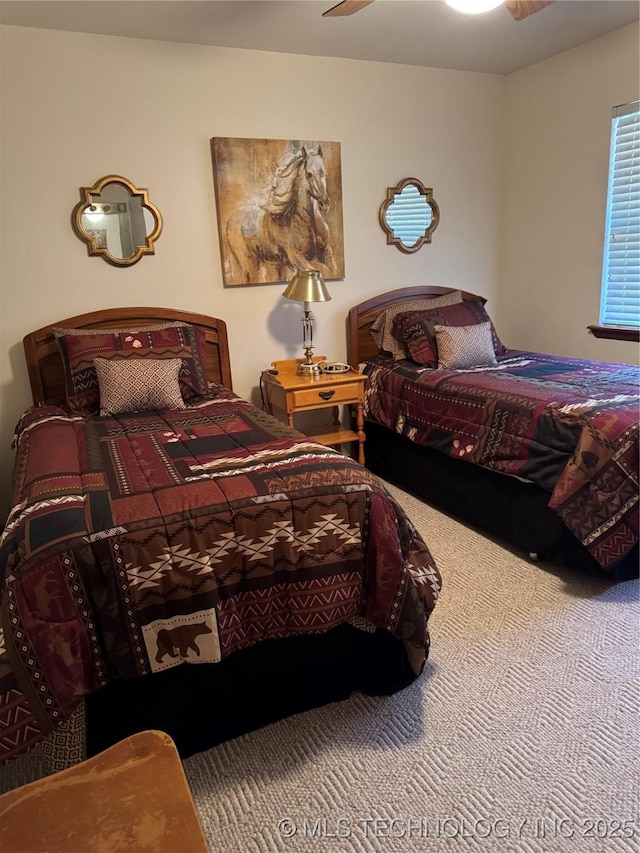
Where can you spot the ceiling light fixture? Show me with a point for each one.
(93, 213)
(473, 7)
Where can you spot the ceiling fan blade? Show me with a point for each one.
(521, 9)
(347, 7)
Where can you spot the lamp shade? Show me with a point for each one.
(307, 286)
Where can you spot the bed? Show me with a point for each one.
(538, 450)
(187, 563)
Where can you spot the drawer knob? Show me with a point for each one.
(327, 395)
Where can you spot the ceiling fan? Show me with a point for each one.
(520, 9)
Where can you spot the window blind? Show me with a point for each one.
(620, 294)
(409, 217)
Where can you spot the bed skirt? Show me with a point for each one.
(202, 705)
(511, 509)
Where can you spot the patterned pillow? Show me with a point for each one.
(416, 328)
(167, 324)
(464, 346)
(382, 330)
(138, 385)
(79, 347)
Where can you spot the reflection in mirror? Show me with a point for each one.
(409, 215)
(117, 221)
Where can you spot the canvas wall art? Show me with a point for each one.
(279, 206)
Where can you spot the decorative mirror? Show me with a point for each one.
(117, 221)
(409, 215)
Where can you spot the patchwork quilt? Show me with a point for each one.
(568, 425)
(143, 541)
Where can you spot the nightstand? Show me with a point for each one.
(291, 392)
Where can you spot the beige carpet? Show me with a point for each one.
(522, 734)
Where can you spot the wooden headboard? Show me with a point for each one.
(360, 343)
(44, 363)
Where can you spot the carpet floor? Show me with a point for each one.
(522, 734)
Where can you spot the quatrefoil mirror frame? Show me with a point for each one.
(137, 227)
(394, 194)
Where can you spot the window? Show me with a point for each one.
(620, 294)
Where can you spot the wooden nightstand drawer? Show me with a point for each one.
(314, 398)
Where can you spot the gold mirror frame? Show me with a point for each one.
(424, 231)
(102, 200)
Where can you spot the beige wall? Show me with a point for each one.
(557, 133)
(76, 107)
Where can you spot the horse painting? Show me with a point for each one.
(286, 230)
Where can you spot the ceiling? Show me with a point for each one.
(410, 32)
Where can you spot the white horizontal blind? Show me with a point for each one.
(409, 216)
(620, 295)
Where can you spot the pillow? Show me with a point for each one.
(79, 347)
(61, 330)
(464, 346)
(138, 385)
(415, 328)
(382, 330)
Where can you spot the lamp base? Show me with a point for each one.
(308, 369)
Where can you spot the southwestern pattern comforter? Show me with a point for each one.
(143, 541)
(568, 425)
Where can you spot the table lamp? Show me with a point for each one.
(307, 286)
